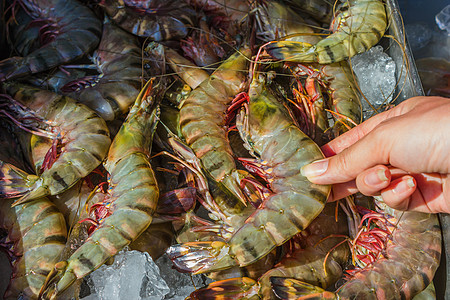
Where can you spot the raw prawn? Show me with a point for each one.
(343, 96)
(118, 60)
(337, 81)
(356, 27)
(279, 21)
(282, 150)
(203, 118)
(128, 208)
(76, 32)
(405, 266)
(156, 19)
(36, 235)
(80, 138)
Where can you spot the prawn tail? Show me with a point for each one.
(292, 51)
(13, 67)
(17, 183)
(232, 184)
(290, 288)
(57, 280)
(233, 288)
(200, 257)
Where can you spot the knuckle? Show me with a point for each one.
(343, 163)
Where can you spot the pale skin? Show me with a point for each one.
(402, 154)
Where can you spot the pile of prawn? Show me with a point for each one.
(180, 128)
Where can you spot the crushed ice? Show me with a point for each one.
(135, 276)
(375, 71)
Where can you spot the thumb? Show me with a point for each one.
(371, 150)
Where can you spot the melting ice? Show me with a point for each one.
(135, 276)
(375, 71)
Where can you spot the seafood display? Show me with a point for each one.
(179, 128)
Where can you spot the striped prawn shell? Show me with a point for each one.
(84, 134)
(36, 237)
(78, 32)
(131, 200)
(358, 26)
(283, 150)
(168, 20)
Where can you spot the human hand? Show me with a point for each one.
(402, 154)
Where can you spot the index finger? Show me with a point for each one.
(358, 132)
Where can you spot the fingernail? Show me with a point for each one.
(327, 150)
(315, 169)
(404, 186)
(376, 178)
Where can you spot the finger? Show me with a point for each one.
(342, 190)
(396, 172)
(370, 187)
(371, 181)
(373, 149)
(429, 195)
(356, 133)
(398, 194)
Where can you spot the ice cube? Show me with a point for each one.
(375, 71)
(133, 275)
(443, 19)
